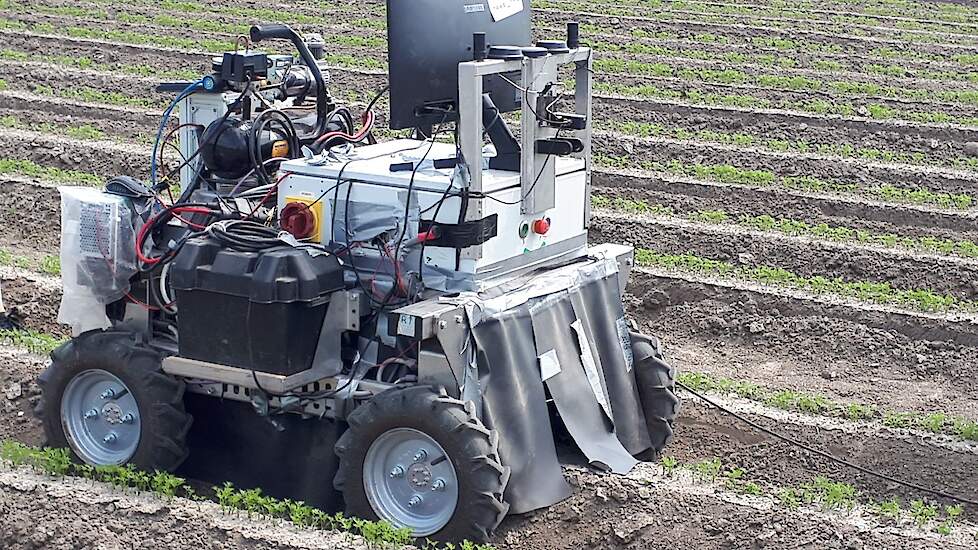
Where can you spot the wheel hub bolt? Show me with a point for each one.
(438, 485)
(415, 501)
(111, 438)
(128, 418)
(420, 455)
(90, 414)
(107, 394)
(397, 472)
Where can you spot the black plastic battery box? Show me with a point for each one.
(255, 310)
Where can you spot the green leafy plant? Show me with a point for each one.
(669, 464)
(922, 512)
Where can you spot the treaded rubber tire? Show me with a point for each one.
(472, 448)
(163, 420)
(657, 387)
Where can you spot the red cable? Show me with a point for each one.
(368, 122)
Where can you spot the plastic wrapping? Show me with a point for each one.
(98, 255)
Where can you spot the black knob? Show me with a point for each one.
(573, 35)
(479, 46)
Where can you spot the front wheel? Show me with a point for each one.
(105, 397)
(421, 460)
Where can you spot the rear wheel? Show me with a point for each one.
(105, 398)
(656, 381)
(421, 460)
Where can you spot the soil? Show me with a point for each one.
(848, 351)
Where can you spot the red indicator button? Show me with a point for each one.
(540, 227)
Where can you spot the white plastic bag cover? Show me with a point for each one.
(98, 255)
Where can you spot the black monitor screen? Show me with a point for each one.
(427, 39)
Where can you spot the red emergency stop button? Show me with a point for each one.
(297, 219)
(540, 227)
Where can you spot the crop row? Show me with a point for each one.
(644, 41)
(780, 60)
(800, 145)
(872, 110)
(796, 83)
(866, 291)
(253, 503)
(784, 13)
(820, 405)
(725, 173)
(825, 493)
(797, 228)
(851, 33)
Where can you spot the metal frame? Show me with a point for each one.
(470, 75)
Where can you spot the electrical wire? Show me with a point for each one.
(824, 454)
(187, 92)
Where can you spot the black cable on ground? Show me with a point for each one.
(824, 454)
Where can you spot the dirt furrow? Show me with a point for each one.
(33, 300)
(829, 36)
(641, 151)
(687, 195)
(935, 140)
(706, 433)
(804, 256)
(19, 394)
(70, 513)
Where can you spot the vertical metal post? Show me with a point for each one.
(470, 121)
(583, 82)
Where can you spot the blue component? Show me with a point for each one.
(209, 83)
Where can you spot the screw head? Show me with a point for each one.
(129, 418)
(416, 500)
(90, 414)
(420, 455)
(110, 438)
(397, 472)
(442, 324)
(438, 485)
(107, 394)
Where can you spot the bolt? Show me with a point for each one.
(111, 438)
(443, 324)
(397, 472)
(438, 485)
(458, 319)
(420, 455)
(107, 394)
(91, 414)
(416, 500)
(129, 418)
(628, 262)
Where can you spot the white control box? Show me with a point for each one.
(377, 196)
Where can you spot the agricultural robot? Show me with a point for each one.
(414, 330)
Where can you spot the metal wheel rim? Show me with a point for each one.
(101, 418)
(407, 491)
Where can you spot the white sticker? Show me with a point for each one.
(591, 368)
(405, 325)
(501, 9)
(475, 8)
(549, 365)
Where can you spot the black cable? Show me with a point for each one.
(825, 454)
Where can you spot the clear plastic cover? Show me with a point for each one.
(98, 255)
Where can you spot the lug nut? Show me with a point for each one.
(90, 414)
(107, 394)
(438, 485)
(420, 455)
(128, 418)
(111, 438)
(397, 471)
(415, 501)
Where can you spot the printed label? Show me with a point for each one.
(501, 9)
(405, 325)
(475, 8)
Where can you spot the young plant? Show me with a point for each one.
(922, 512)
(669, 464)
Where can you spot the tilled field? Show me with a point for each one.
(801, 181)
